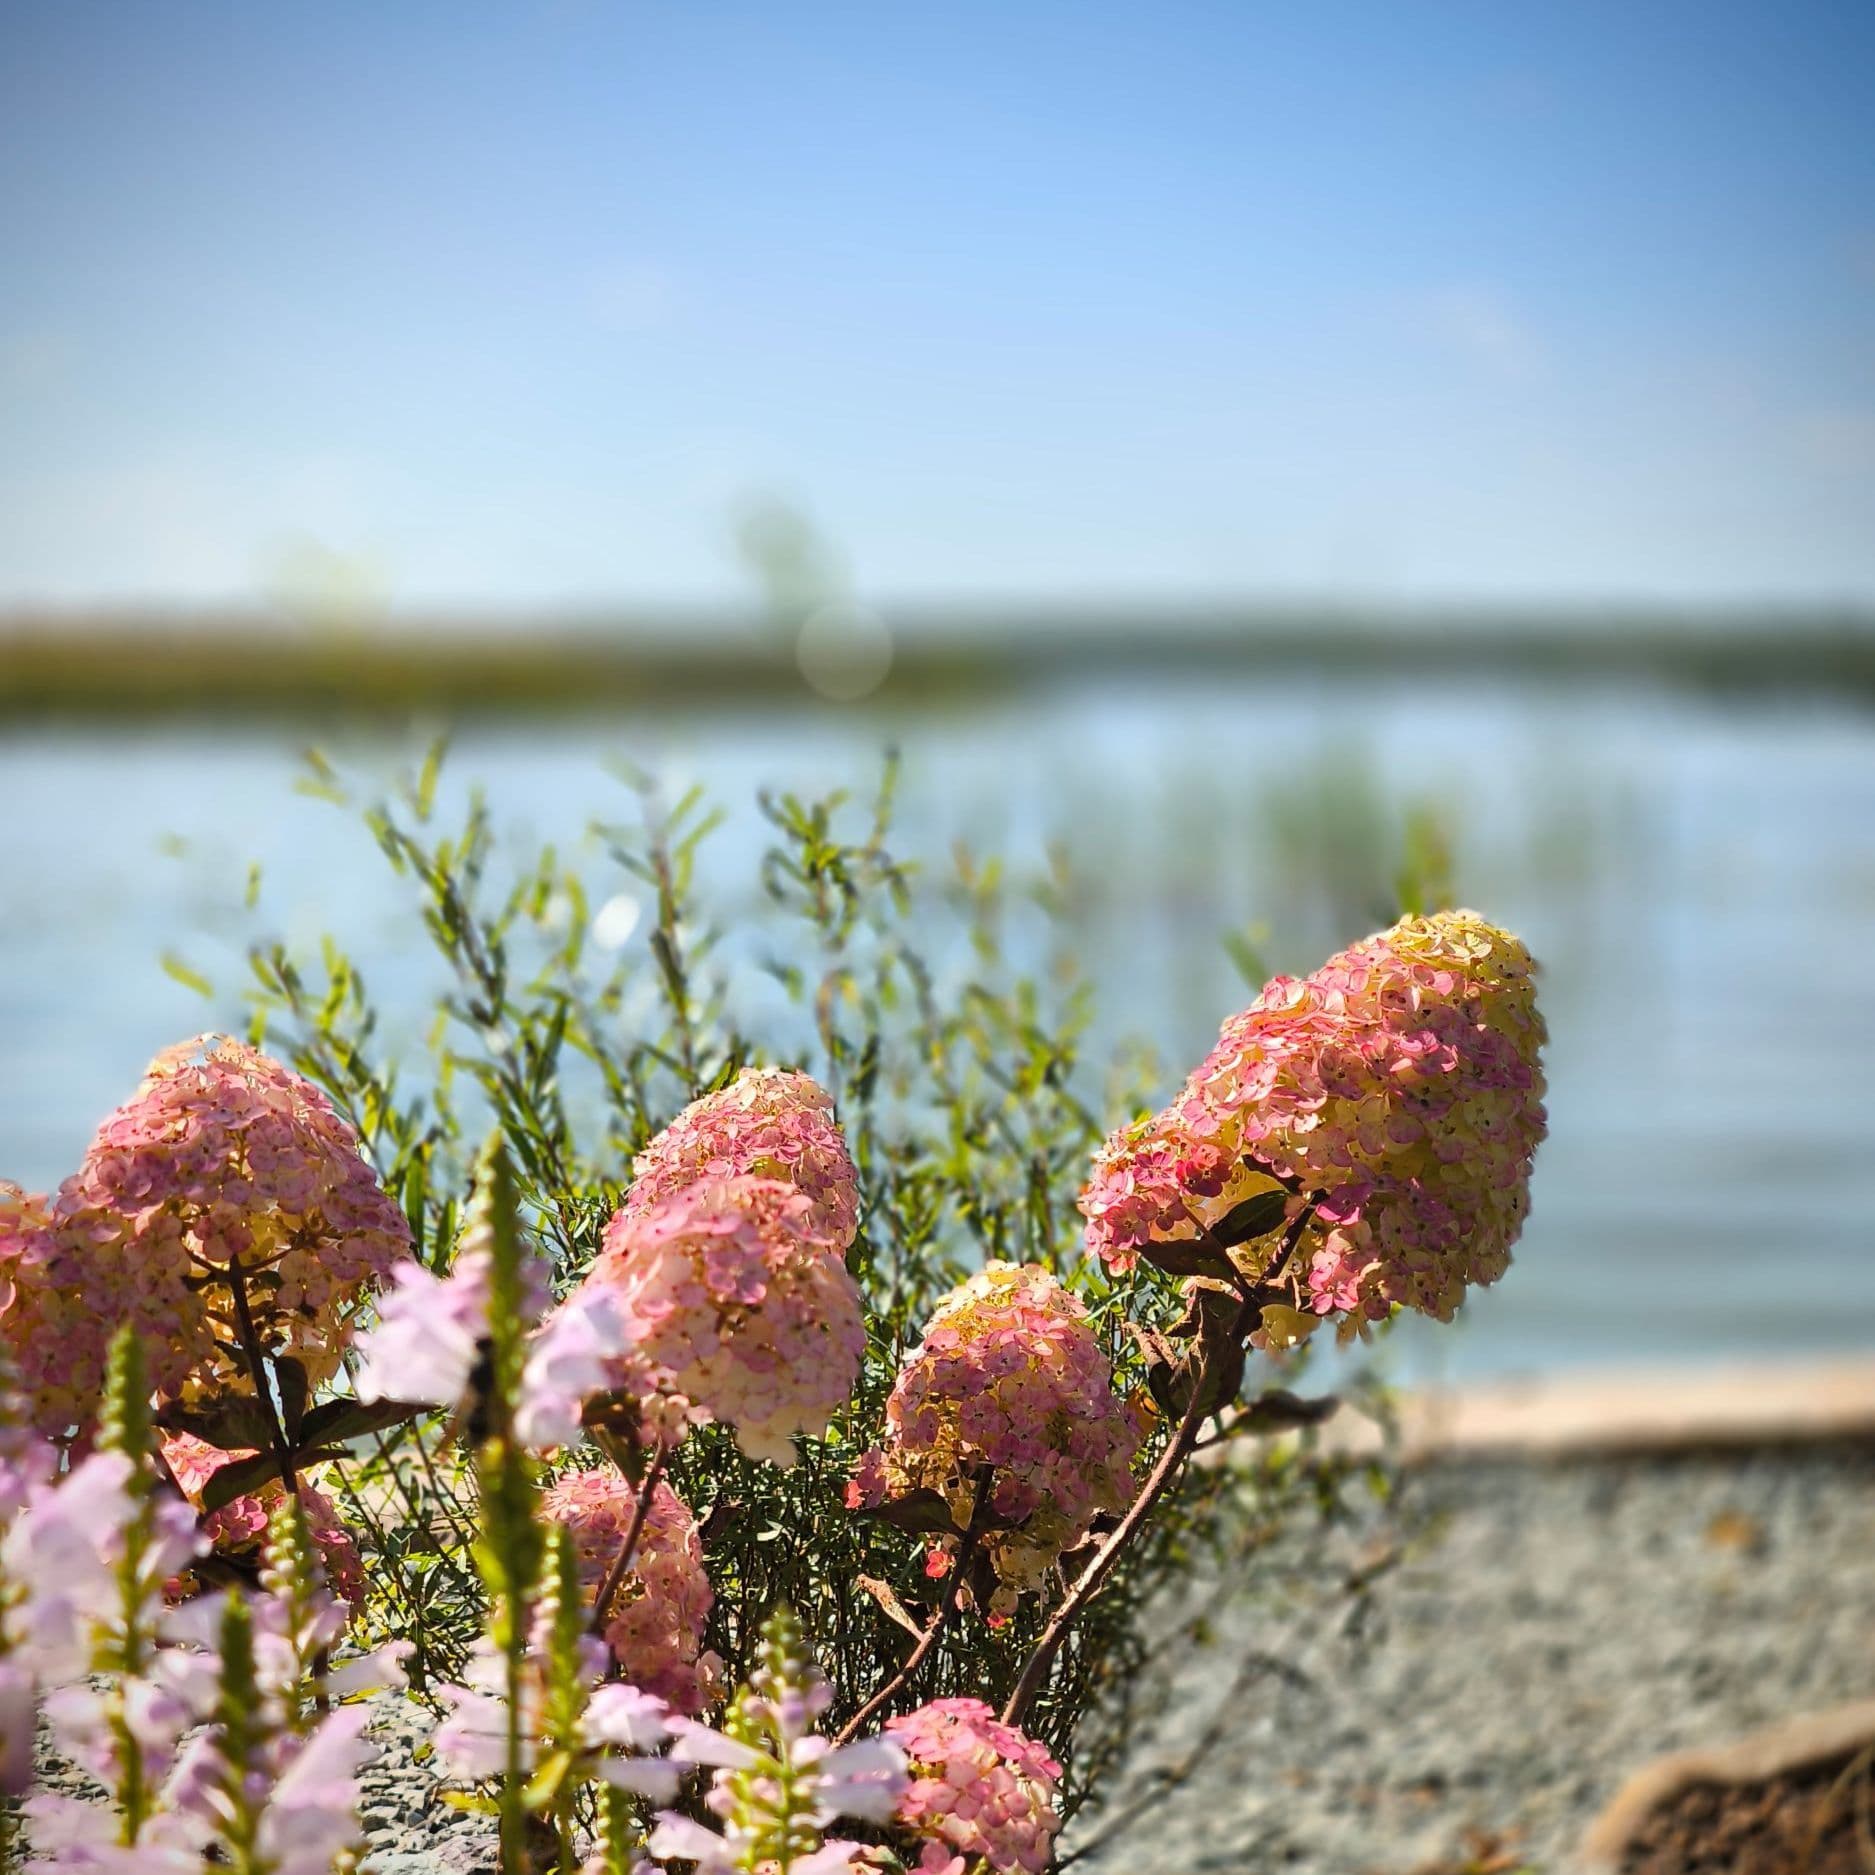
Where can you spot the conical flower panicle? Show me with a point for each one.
(1393, 1101)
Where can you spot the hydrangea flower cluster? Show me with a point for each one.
(1010, 1393)
(63, 1286)
(1398, 1090)
(978, 1787)
(767, 1123)
(239, 1528)
(736, 1299)
(654, 1625)
(239, 1160)
(224, 1168)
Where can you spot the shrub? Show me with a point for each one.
(801, 1367)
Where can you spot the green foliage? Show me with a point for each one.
(960, 1055)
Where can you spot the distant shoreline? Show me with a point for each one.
(105, 666)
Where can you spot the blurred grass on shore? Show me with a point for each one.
(102, 666)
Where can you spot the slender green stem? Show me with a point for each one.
(133, 1796)
(513, 1807)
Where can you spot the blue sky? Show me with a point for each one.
(511, 304)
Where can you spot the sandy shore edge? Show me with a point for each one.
(1625, 1411)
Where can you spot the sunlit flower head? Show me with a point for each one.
(767, 1123)
(1396, 1094)
(225, 1170)
(69, 1274)
(737, 1301)
(977, 1786)
(1008, 1402)
(654, 1621)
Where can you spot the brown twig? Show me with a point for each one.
(1160, 1479)
(256, 1360)
(1170, 1462)
(947, 1606)
(615, 1576)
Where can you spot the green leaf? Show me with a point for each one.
(427, 778)
(290, 1377)
(1255, 1217)
(173, 966)
(1281, 1411)
(338, 1420)
(923, 1512)
(545, 1784)
(1187, 1257)
(468, 1800)
(236, 1423)
(239, 1478)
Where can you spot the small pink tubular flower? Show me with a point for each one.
(239, 1528)
(735, 1299)
(767, 1123)
(654, 1625)
(429, 1333)
(977, 1786)
(1009, 1389)
(1399, 1088)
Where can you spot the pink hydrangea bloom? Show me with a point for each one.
(735, 1298)
(68, 1277)
(767, 1123)
(222, 1156)
(655, 1623)
(978, 1787)
(239, 1528)
(1399, 1087)
(1009, 1389)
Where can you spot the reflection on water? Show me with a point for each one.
(1699, 885)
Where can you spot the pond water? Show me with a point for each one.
(1698, 882)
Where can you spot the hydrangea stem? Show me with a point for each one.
(1159, 1480)
(615, 1576)
(256, 1359)
(947, 1606)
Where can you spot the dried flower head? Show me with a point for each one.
(1008, 1408)
(1395, 1096)
(654, 1623)
(977, 1786)
(767, 1123)
(735, 1300)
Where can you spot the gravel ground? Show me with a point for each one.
(1549, 1628)
(1553, 1627)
